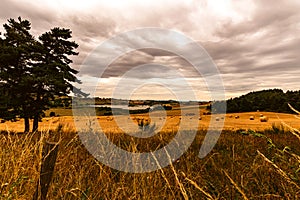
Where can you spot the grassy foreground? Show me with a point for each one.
(243, 165)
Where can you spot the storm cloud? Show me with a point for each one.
(255, 44)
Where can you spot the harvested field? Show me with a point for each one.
(172, 121)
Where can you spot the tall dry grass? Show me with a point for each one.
(243, 165)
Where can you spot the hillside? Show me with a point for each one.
(272, 100)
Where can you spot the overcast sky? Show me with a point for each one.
(255, 44)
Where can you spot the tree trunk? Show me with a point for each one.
(35, 123)
(27, 125)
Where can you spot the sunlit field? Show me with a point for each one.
(251, 160)
(242, 165)
(171, 121)
(152, 100)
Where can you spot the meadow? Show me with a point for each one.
(251, 160)
(170, 121)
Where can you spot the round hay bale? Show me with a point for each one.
(263, 119)
(251, 117)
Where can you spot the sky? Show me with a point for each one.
(247, 45)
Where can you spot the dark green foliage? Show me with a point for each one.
(217, 107)
(273, 100)
(140, 111)
(15, 70)
(52, 114)
(34, 72)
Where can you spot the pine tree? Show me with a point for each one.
(34, 72)
(15, 71)
(52, 72)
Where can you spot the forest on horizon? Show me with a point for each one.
(271, 100)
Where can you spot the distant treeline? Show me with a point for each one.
(109, 101)
(272, 100)
(107, 111)
(119, 111)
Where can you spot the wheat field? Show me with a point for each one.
(171, 122)
(251, 160)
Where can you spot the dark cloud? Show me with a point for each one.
(157, 52)
(271, 15)
(40, 16)
(253, 50)
(93, 27)
(263, 48)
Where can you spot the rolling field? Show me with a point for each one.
(170, 122)
(240, 166)
(260, 163)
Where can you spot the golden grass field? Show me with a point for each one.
(170, 122)
(242, 164)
